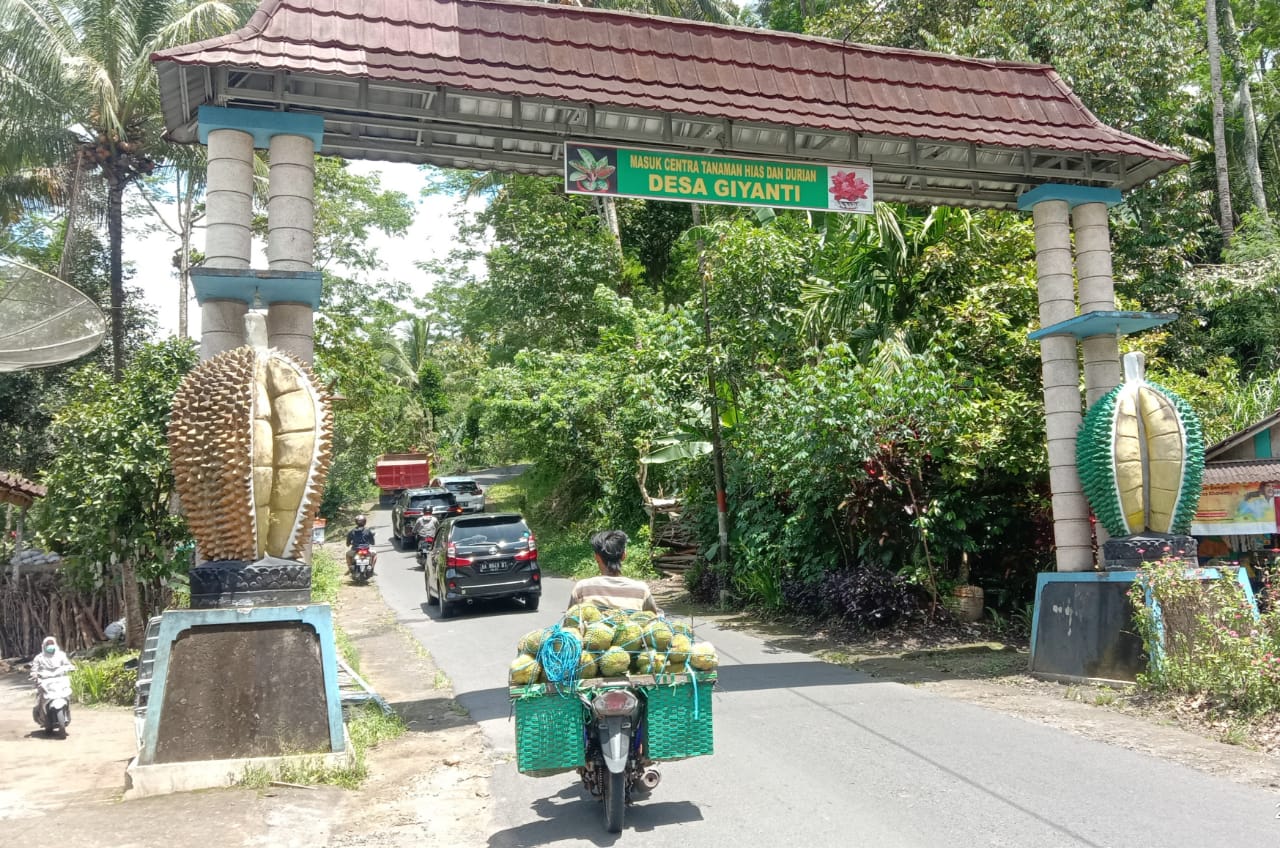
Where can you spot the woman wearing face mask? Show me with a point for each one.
(52, 662)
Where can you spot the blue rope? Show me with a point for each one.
(560, 656)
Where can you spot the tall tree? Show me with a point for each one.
(1220, 164)
(85, 65)
(1244, 100)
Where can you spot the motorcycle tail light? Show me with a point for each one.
(615, 702)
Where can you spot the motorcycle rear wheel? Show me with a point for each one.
(615, 800)
(61, 719)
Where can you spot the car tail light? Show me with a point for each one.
(614, 703)
(409, 512)
(455, 509)
(530, 555)
(452, 560)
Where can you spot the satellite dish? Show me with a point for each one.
(44, 321)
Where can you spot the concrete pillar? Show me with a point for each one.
(221, 327)
(1063, 415)
(290, 238)
(1097, 294)
(1102, 371)
(291, 328)
(228, 238)
(291, 204)
(229, 200)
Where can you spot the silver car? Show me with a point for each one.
(466, 491)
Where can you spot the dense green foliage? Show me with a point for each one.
(105, 680)
(1205, 639)
(110, 484)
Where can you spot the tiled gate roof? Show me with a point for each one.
(601, 60)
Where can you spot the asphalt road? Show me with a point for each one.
(818, 755)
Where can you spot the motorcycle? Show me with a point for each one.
(362, 563)
(617, 766)
(53, 704)
(425, 544)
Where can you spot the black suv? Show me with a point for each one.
(413, 504)
(489, 555)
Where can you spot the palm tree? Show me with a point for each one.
(874, 271)
(407, 360)
(83, 67)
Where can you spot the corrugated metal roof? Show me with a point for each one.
(611, 58)
(1242, 471)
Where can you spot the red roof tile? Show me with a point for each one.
(633, 61)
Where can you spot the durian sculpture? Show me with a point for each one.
(250, 443)
(1140, 454)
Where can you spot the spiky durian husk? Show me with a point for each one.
(1193, 472)
(250, 442)
(1131, 419)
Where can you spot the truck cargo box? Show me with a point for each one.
(395, 472)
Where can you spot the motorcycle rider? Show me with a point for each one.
(426, 527)
(52, 661)
(611, 589)
(361, 535)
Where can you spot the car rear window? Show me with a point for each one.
(419, 501)
(503, 532)
(462, 487)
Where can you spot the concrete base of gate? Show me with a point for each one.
(1083, 629)
(166, 778)
(234, 688)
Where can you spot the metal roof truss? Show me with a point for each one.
(456, 128)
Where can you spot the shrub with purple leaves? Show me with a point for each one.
(866, 597)
(705, 582)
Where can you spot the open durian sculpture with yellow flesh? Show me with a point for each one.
(1140, 454)
(250, 442)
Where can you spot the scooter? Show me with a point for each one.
(362, 564)
(425, 544)
(53, 704)
(617, 764)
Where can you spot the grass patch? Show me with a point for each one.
(105, 680)
(511, 496)
(367, 727)
(326, 576)
(346, 648)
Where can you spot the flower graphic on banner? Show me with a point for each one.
(590, 173)
(847, 189)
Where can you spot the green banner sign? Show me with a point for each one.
(693, 178)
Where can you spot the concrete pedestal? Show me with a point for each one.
(234, 687)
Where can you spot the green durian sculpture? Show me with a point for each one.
(1140, 454)
(250, 441)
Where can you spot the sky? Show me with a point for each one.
(431, 235)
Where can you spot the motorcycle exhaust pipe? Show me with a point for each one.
(650, 779)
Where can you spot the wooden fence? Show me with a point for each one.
(36, 605)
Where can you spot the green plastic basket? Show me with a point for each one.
(549, 734)
(676, 728)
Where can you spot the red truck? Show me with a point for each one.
(395, 472)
